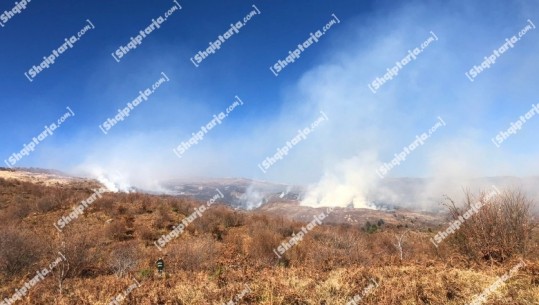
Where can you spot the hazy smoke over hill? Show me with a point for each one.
(349, 183)
(364, 130)
(113, 181)
(252, 198)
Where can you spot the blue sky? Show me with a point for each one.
(363, 132)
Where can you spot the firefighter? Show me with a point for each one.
(160, 265)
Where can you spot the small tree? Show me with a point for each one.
(75, 246)
(370, 228)
(123, 259)
(500, 228)
(399, 244)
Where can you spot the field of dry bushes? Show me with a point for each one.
(225, 253)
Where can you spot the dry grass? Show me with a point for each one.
(224, 250)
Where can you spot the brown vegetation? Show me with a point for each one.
(501, 229)
(224, 250)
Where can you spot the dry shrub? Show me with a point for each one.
(261, 244)
(215, 220)
(124, 259)
(501, 228)
(77, 246)
(19, 250)
(181, 206)
(30, 189)
(331, 246)
(105, 204)
(117, 230)
(147, 234)
(163, 218)
(46, 204)
(133, 197)
(193, 254)
(143, 205)
(235, 243)
(121, 209)
(16, 210)
(388, 246)
(284, 226)
(233, 219)
(260, 219)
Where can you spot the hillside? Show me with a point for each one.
(110, 249)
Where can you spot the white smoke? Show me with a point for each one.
(113, 181)
(348, 183)
(359, 121)
(252, 198)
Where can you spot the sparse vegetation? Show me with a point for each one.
(501, 229)
(370, 227)
(223, 250)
